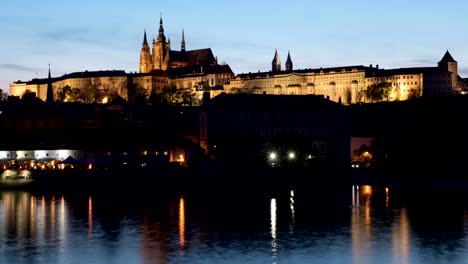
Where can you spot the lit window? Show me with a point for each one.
(108, 153)
(165, 153)
(125, 153)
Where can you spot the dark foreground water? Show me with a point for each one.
(313, 224)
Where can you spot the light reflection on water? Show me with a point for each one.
(359, 224)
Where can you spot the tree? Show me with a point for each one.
(378, 92)
(136, 94)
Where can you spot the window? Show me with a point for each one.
(156, 153)
(47, 154)
(165, 153)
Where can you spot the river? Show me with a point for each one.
(315, 224)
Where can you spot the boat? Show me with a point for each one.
(15, 178)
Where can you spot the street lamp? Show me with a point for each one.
(272, 156)
(291, 155)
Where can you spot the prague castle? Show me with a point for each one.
(197, 71)
(192, 71)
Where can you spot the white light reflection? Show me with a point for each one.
(355, 196)
(62, 220)
(293, 213)
(274, 246)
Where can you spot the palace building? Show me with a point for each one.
(347, 84)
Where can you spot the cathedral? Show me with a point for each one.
(163, 58)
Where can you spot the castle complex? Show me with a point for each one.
(346, 84)
(197, 71)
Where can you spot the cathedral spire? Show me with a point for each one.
(145, 41)
(50, 92)
(161, 37)
(289, 63)
(276, 63)
(182, 48)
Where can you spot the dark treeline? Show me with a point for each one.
(423, 137)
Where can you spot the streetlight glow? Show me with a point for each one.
(272, 156)
(292, 155)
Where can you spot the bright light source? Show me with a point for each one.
(272, 156)
(291, 155)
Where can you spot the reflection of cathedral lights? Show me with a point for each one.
(62, 219)
(293, 212)
(387, 198)
(274, 246)
(32, 218)
(90, 217)
(181, 224)
(401, 239)
(367, 189)
(52, 217)
(43, 215)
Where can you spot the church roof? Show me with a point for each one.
(193, 57)
(447, 58)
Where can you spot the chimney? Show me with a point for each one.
(377, 66)
(370, 66)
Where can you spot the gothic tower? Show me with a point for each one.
(146, 64)
(161, 49)
(276, 63)
(182, 46)
(50, 92)
(289, 64)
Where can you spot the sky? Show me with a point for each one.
(74, 36)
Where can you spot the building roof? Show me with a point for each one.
(85, 74)
(347, 69)
(273, 103)
(402, 71)
(195, 70)
(447, 57)
(193, 57)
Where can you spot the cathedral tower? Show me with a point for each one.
(161, 50)
(289, 64)
(146, 64)
(276, 63)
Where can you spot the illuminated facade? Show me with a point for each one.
(347, 84)
(163, 58)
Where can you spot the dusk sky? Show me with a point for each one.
(93, 35)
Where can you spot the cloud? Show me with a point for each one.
(17, 67)
(424, 62)
(69, 34)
